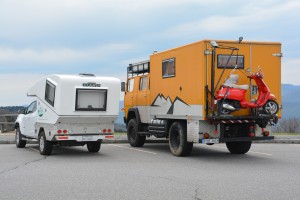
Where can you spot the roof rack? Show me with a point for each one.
(139, 68)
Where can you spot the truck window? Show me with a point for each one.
(130, 85)
(168, 68)
(223, 59)
(144, 83)
(50, 93)
(91, 99)
(31, 108)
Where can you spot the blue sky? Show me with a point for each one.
(102, 37)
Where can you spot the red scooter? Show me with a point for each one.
(231, 97)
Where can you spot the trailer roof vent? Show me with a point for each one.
(86, 74)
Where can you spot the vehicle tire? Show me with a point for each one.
(178, 143)
(93, 147)
(134, 139)
(45, 146)
(239, 147)
(271, 107)
(18, 138)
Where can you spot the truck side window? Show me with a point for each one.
(50, 93)
(31, 108)
(168, 68)
(144, 83)
(231, 61)
(130, 85)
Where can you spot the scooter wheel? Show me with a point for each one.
(271, 107)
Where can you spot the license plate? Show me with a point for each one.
(205, 141)
(87, 138)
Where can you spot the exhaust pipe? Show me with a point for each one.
(228, 107)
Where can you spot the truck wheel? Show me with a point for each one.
(45, 146)
(134, 139)
(238, 147)
(19, 142)
(93, 147)
(178, 143)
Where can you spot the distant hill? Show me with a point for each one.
(290, 100)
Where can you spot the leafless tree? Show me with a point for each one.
(289, 125)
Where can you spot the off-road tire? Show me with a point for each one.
(18, 138)
(239, 147)
(93, 147)
(134, 139)
(45, 147)
(178, 143)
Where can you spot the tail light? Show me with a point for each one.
(206, 135)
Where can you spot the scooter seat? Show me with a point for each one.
(243, 87)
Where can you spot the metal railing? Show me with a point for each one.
(7, 122)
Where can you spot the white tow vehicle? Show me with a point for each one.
(70, 110)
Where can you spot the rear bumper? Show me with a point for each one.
(82, 138)
(236, 139)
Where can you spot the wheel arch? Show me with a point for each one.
(133, 113)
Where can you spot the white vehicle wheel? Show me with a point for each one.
(18, 138)
(45, 146)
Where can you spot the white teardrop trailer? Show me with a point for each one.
(70, 110)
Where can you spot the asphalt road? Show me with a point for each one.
(268, 171)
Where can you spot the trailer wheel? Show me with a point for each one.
(238, 147)
(93, 147)
(134, 139)
(45, 146)
(178, 143)
(19, 142)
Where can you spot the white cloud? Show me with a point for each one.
(250, 17)
(290, 71)
(61, 54)
(14, 88)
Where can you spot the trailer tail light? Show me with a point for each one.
(109, 136)
(109, 130)
(104, 130)
(59, 131)
(65, 131)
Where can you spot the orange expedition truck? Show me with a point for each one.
(205, 92)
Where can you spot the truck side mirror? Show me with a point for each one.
(123, 86)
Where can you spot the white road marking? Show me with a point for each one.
(115, 145)
(34, 149)
(268, 154)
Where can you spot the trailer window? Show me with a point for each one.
(233, 60)
(130, 85)
(144, 83)
(168, 68)
(91, 100)
(50, 93)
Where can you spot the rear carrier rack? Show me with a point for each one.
(139, 68)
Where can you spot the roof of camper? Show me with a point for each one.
(59, 78)
(218, 41)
